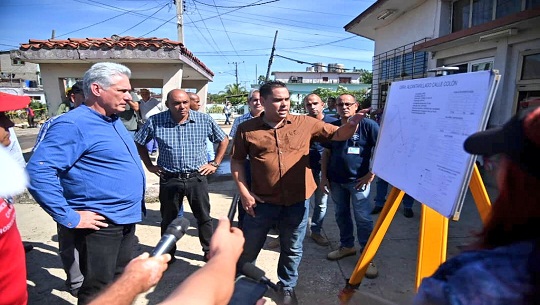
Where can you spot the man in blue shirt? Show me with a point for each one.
(90, 179)
(182, 164)
(66, 237)
(346, 173)
(255, 109)
(314, 107)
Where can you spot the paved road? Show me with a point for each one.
(26, 137)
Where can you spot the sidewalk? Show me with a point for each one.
(320, 280)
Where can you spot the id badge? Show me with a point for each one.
(353, 150)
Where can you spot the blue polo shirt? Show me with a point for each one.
(316, 149)
(87, 161)
(345, 167)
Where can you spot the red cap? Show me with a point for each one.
(9, 102)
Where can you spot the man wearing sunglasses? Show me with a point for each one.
(346, 176)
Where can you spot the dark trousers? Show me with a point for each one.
(171, 196)
(70, 257)
(103, 254)
(241, 211)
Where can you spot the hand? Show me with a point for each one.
(359, 116)
(155, 169)
(90, 220)
(324, 185)
(362, 183)
(207, 169)
(227, 241)
(249, 202)
(145, 271)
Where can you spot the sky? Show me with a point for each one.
(231, 37)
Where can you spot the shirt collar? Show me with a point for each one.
(191, 117)
(262, 122)
(112, 118)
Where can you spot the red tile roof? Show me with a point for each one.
(115, 41)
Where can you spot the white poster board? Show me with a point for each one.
(425, 123)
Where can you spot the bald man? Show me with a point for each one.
(182, 164)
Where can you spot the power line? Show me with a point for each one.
(241, 6)
(158, 27)
(228, 37)
(100, 22)
(208, 42)
(304, 62)
(145, 19)
(210, 34)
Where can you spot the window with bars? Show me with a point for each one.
(397, 64)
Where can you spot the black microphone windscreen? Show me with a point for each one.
(177, 227)
(252, 271)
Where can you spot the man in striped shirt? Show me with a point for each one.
(182, 164)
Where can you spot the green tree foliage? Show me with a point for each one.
(366, 77)
(234, 93)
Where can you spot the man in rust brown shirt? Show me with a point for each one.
(277, 144)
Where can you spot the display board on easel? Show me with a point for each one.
(420, 144)
(420, 151)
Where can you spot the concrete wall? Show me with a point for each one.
(26, 71)
(144, 75)
(431, 19)
(408, 27)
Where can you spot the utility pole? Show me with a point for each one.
(235, 63)
(180, 19)
(271, 57)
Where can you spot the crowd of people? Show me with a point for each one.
(286, 167)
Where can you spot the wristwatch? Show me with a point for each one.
(214, 164)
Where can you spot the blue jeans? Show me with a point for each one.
(344, 195)
(382, 189)
(319, 201)
(292, 224)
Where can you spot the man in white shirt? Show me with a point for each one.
(148, 106)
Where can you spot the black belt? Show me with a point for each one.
(169, 175)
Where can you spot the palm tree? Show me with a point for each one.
(236, 94)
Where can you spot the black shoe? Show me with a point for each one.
(289, 297)
(286, 295)
(408, 212)
(376, 210)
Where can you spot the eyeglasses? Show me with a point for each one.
(345, 104)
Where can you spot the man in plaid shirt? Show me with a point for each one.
(182, 164)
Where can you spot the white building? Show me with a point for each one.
(414, 36)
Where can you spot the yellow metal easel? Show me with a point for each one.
(432, 241)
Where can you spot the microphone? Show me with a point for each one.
(174, 232)
(257, 274)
